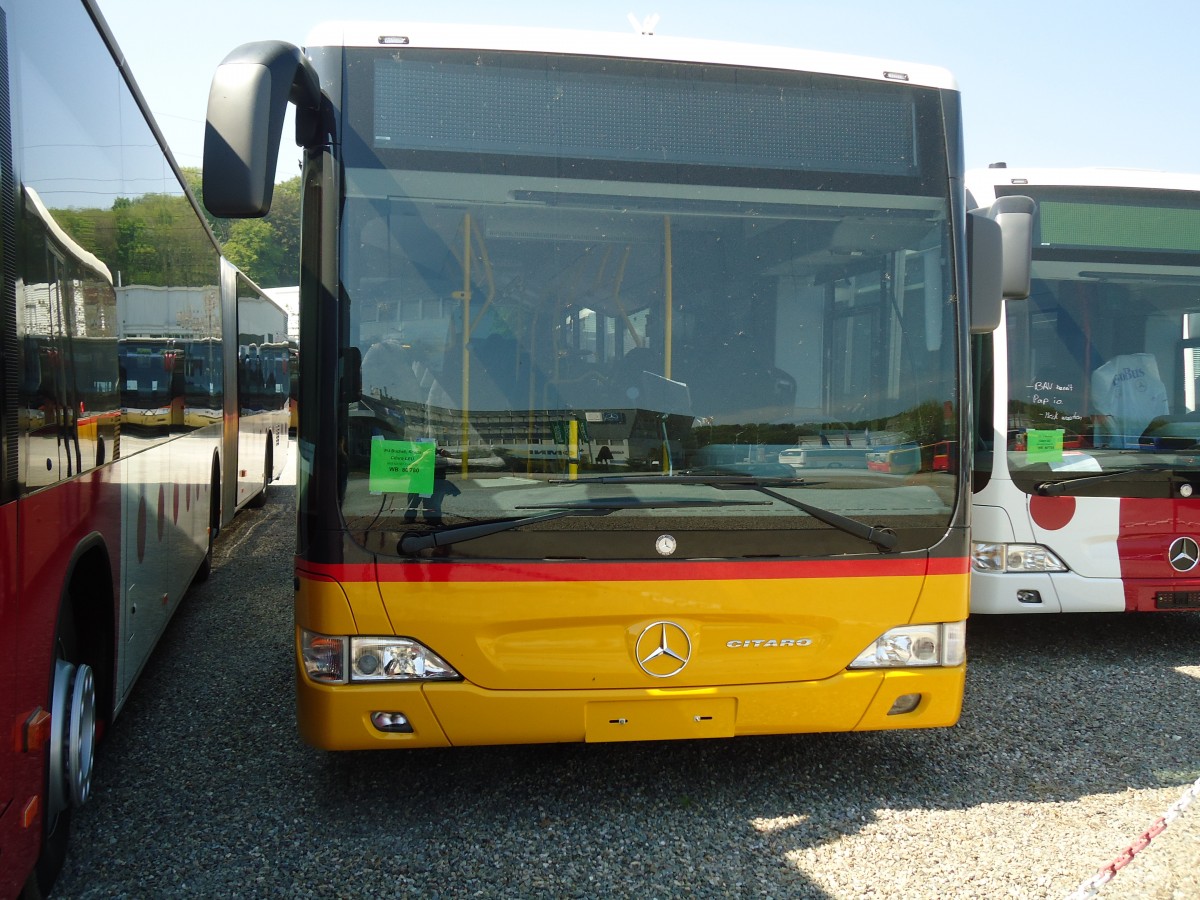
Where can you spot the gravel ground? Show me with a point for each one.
(1078, 733)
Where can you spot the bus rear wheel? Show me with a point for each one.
(72, 750)
(214, 525)
(259, 500)
(73, 742)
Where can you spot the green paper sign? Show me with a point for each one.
(1044, 445)
(402, 467)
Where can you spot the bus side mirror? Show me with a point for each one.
(985, 262)
(1015, 217)
(246, 105)
(999, 249)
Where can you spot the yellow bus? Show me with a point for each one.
(559, 294)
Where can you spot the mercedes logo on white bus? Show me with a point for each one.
(663, 649)
(1183, 554)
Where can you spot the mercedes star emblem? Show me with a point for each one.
(1183, 554)
(663, 649)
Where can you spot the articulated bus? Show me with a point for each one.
(1087, 451)
(111, 279)
(559, 292)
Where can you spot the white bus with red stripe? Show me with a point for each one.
(1087, 439)
(121, 455)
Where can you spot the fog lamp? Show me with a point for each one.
(905, 703)
(391, 722)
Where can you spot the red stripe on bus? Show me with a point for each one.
(633, 571)
(949, 565)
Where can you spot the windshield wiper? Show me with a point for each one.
(612, 504)
(1069, 485)
(413, 542)
(883, 538)
(717, 481)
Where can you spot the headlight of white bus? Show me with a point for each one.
(1014, 558)
(338, 659)
(943, 644)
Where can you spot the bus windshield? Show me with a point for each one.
(648, 274)
(1104, 356)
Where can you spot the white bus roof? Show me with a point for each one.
(623, 45)
(1086, 176)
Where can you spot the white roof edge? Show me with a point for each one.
(619, 44)
(1098, 176)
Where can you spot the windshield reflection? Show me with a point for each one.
(1103, 373)
(507, 341)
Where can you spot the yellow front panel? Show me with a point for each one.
(528, 635)
(551, 661)
(338, 718)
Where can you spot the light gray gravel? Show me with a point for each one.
(1077, 734)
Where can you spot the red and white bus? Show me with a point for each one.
(1087, 456)
(111, 278)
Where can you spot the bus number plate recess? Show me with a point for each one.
(1177, 600)
(658, 720)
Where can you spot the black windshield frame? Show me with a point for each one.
(935, 115)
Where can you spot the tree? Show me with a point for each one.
(254, 247)
(270, 255)
(284, 219)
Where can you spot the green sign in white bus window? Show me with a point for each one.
(1044, 445)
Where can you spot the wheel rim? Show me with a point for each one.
(82, 745)
(73, 736)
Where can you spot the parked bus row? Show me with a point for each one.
(536, 329)
(143, 400)
(636, 397)
(159, 383)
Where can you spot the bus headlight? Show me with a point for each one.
(396, 659)
(943, 644)
(1014, 558)
(338, 659)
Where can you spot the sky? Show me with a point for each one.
(1044, 82)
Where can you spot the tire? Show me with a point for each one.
(259, 500)
(214, 527)
(72, 748)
